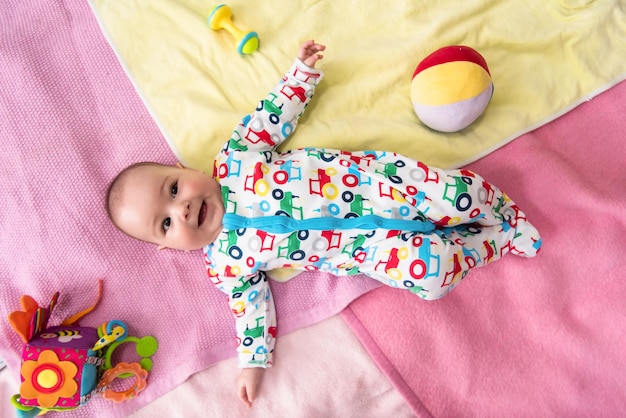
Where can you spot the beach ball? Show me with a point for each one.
(451, 88)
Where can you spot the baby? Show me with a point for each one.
(392, 218)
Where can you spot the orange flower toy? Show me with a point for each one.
(64, 366)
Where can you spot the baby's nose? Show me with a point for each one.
(183, 210)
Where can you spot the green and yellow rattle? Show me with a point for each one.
(221, 18)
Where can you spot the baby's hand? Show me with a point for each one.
(247, 384)
(308, 53)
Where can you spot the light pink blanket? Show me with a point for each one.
(69, 120)
(527, 337)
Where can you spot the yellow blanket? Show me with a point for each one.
(545, 57)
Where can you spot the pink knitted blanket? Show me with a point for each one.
(70, 120)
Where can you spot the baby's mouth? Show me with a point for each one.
(202, 214)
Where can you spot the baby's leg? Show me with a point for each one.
(445, 197)
(431, 265)
(457, 197)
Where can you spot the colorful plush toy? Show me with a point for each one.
(451, 88)
(64, 366)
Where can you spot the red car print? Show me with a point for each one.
(255, 182)
(322, 185)
(390, 266)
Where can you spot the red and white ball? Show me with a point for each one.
(451, 88)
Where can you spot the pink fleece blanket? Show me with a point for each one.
(526, 337)
(69, 121)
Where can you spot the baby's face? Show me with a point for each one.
(178, 208)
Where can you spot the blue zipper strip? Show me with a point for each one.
(283, 224)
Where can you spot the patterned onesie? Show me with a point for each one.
(392, 218)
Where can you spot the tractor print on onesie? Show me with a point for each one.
(424, 266)
(254, 297)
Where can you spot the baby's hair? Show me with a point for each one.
(115, 190)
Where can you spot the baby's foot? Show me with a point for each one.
(526, 241)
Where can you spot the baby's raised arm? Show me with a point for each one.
(277, 115)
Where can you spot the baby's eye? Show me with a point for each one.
(174, 189)
(166, 224)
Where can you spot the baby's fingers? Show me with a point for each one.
(242, 392)
(309, 52)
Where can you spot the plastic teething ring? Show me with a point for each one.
(110, 375)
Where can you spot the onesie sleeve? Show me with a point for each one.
(276, 116)
(252, 304)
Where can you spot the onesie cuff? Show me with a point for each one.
(249, 360)
(307, 74)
